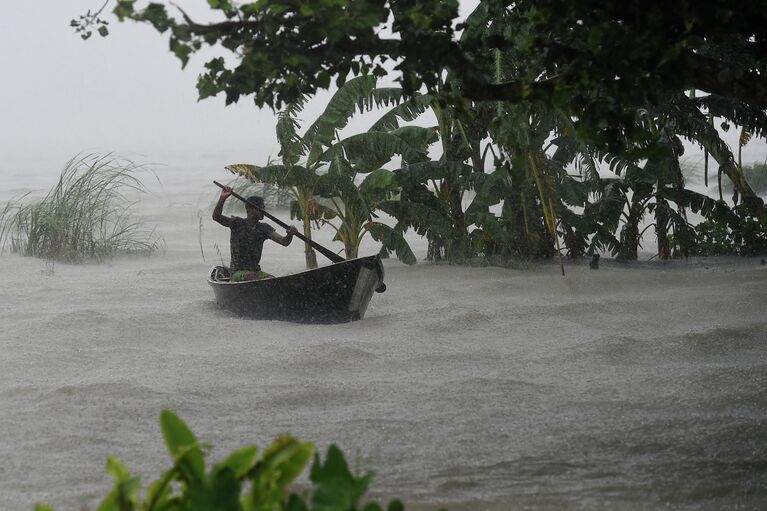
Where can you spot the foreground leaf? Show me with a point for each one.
(182, 446)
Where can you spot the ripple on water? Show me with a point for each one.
(82, 318)
(332, 354)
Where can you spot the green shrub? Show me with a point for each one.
(243, 481)
(86, 215)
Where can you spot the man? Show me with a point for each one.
(247, 238)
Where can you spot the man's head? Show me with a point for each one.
(255, 213)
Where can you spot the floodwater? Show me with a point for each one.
(632, 387)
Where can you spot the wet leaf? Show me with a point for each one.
(182, 446)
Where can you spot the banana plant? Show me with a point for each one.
(349, 207)
(321, 169)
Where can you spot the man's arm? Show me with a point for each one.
(284, 240)
(218, 210)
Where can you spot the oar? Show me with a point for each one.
(319, 248)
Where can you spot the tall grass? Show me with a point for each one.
(86, 215)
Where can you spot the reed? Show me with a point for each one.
(86, 215)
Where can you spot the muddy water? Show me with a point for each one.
(630, 387)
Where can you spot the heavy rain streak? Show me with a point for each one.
(507, 306)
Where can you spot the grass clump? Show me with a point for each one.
(85, 216)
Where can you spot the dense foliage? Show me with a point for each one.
(534, 100)
(246, 480)
(600, 60)
(340, 182)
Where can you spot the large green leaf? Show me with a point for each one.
(406, 111)
(735, 111)
(490, 189)
(352, 96)
(372, 150)
(182, 446)
(221, 492)
(378, 183)
(384, 97)
(291, 144)
(295, 176)
(123, 495)
(418, 137)
(159, 494)
(283, 461)
(422, 172)
(392, 239)
(240, 461)
(425, 218)
(337, 489)
(342, 186)
(279, 465)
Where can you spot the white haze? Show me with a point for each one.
(60, 96)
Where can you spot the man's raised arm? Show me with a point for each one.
(218, 210)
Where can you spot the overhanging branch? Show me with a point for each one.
(717, 77)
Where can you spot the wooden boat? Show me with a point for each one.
(336, 293)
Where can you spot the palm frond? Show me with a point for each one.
(291, 145)
(352, 96)
(392, 239)
(372, 150)
(422, 172)
(406, 111)
(280, 175)
(735, 111)
(426, 219)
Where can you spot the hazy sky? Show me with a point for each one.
(60, 95)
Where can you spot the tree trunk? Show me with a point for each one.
(309, 254)
(661, 228)
(575, 244)
(743, 190)
(630, 233)
(682, 233)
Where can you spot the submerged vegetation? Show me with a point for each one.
(521, 186)
(86, 215)
(243, 481)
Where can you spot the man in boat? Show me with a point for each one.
(247, 238)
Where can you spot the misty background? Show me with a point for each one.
(127, 94)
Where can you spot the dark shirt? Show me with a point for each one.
(246, 242)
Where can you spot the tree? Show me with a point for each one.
(592, 66)
(321, 164)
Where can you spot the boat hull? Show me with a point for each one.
(336, 293)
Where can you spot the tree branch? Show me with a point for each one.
(706, 75)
